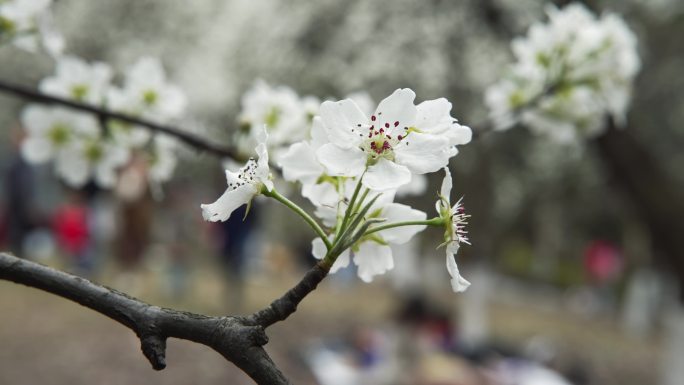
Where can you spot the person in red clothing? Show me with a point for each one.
(71, 231)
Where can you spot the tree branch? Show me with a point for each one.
(103, 114)
(238, 339)
(284, 306)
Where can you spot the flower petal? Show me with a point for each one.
(373, 259)
(36, 149)
(342, 161)
(447, 184)
(458, 283)
(396, 212)
(386, 175)
(342, 119)
(397, 107)
(423, 153)
(228, 202)
(299, 163)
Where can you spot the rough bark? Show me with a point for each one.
(238, 339)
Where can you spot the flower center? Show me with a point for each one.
(150, 97)
(272, 117)
(247, 174)
(94, 152)
(380, 139)
(58, 134)
(79, 91)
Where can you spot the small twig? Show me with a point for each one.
(284, 306)
(103, 115)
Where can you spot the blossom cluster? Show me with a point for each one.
(569, 73)
(350, 165)
(28, 25)
(85, 148)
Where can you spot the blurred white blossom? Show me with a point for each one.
(78, 80)
(28, 25)
(570, 72)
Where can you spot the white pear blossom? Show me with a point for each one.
(388, 146)
(51, 130)
(91, 158)
(280, 109)
(570, 73)
(145, 93)
(373, 254)
(150, 94)
(455, 220)
(243, 185)
(78, 80)
(28, 24)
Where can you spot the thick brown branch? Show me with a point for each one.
(284, 306)
(238, 339)
(104, 114)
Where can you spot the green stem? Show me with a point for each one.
(350, 207)
(292, 206)
(437, 221)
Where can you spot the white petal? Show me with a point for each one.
(423, 153)
(36, 149)
(340, 118)
(341, 262)
(299, 163)
(417, 186)
(458, 283)
(373, 259)
(396, 212)
(386, 175)
(433, 115)
(228, 202)
(342, 161)
(36, 119)
(319, 136)
(71, 166)
(318, 249)
(397, 107)
(458, 134)
(447, 184)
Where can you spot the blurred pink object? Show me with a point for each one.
(603, 261)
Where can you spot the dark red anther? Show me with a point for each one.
(389, 137)
(385, 145)
(370, 134)
(372, 127)
(386, 125)
(400, 137)
(382, 130)
(396, 123)
(373, 145)
(373, 117)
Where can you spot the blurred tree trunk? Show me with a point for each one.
(657, 198)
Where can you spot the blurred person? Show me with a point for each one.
(233, 239)
(177, 229)
(19, 212)
(135, 216)
(71, 227)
